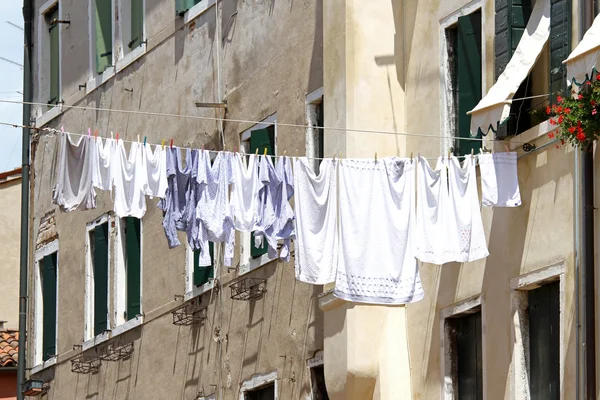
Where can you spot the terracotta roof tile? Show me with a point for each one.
(9, 348)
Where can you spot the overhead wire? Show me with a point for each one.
(247, 121)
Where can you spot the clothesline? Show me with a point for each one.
(197, 117)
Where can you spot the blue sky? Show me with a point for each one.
(11, 82)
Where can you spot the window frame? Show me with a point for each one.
(191, 290)
(247, 263)
(314, 137)
(38, 325)
(44, 53)
(447, 126)
(126, 55)
(96, 79)
(520, 286)
(257, 382)
(315, 362)
(447, 314)
(195, 11)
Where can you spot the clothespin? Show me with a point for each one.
(472, 152)
(340, 155)
(265, 152)
(89, 132)
(506, 148)
(411, 156)
(138, 138)
(96, 133)
(171, 142)
(117, 136)
(235, 150)
(144, 141)
(163, 144)
(62, 128)
(284, 153)
(256, 152)
(375, 157)
(202, 146)
(111, 135)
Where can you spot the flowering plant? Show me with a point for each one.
(578, 116)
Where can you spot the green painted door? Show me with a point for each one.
(49, 296)
(560, 46)
(100, 257)
(103, 34)
(468, 77)
(132, 266)
(261, 139)
(54, 58)
(469, 359)
(137, 23)
(202, 274)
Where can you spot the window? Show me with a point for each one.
(468, 377)
(544, 342)
(464, 64)
(98, 245)
(203, 274)
(131, 243)
(51, 18)
(181, 6)
(316, 120)
(131, 26)
(136, 36)
(560, 46)
(263, 393)
(46, 303)
(103, 35)
(317, 379)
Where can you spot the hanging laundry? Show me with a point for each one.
(465, 232)
(317, 237)
(377, 263)
(181, 198)
(156, 169)
(276, 215)
(74, 183)
(499, 180)
(213, 208)
(431, 231)
(244, 191)
(130, 181)
(103, 162)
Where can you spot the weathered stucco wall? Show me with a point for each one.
(269, 58)
(10, 224)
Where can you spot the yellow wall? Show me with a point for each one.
(10, 222)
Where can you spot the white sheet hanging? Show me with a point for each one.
(377, 263)
(499, 180)
(585, 58)
(494, 108)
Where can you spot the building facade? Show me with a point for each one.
(158, 328)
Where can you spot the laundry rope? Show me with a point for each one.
(245, 121)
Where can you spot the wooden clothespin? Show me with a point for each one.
(163, 144)
(89, 132)
(472, 152)
(112, 135)
(256, 152)
(138, 136)
(171, 142)
(265, 152)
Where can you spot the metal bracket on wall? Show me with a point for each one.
(85, 365)
(527, 147)
(248, 288)
(189, 314)
(117, 351)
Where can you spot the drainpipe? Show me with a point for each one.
(587, 235)
(27, 98)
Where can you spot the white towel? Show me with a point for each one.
(499, 180)
(465, 231)
(244, 192)
(316, 221)
(377, 262)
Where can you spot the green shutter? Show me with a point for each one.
(544, 342)
(468, 74)
(261, 139)
(100, 278)
(469, 359)
(137, 23)
(49, 306)
(103, 34)
(54, 58)
(181, 6)
(132, 266)
(203, 274)
(560, 45)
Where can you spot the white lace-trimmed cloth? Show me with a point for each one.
(377, 263)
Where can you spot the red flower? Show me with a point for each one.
(592, 102)
(562, 141)
(548, 110)
(581, 136)
(588, 83)
(572, 130)
(551, 135)
(598, 77)
(559, 99)
(567, 111)
(594, 112)
(552, 122)
(580, 96)
(559, 109)
(560, 119)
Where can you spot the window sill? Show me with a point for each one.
(198, 9)
(99, 80)
(46, 364)
(49, 115)
(130, 57)
(531, 134)
(199, 290)
(254, 264)
(127, 326)
(95, 341)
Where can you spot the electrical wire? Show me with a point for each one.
(245, 121)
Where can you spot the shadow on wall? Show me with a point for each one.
(315, 78)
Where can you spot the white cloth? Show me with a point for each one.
(130, 181)
(494, 108)
(585, 57)
(465, 232)
(377, 263)
(244, 192)
(155, 163)
(74, 182)
(317, 238)
(499, 180)
(103, 161)
(213, 208)
(433, 207)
